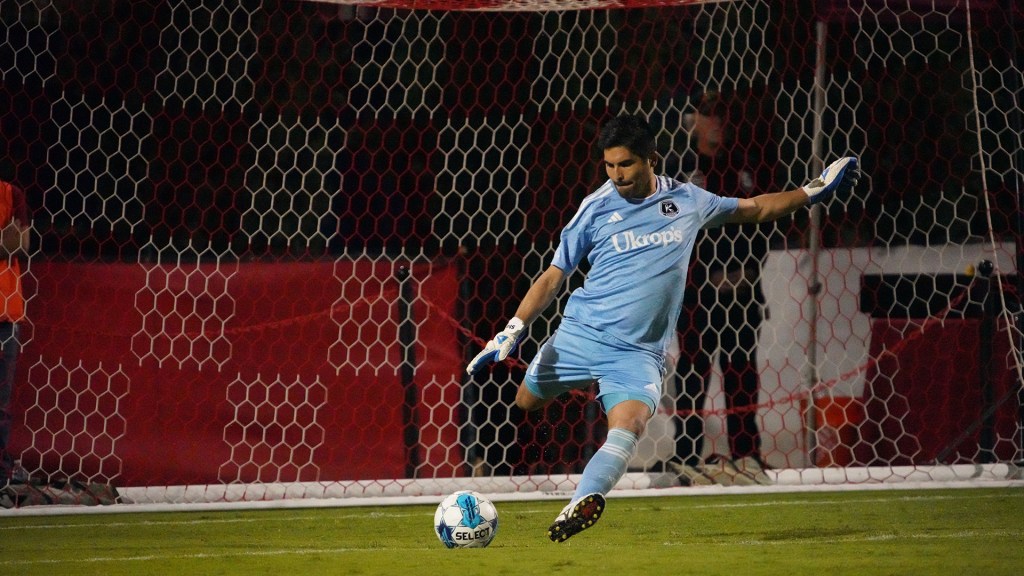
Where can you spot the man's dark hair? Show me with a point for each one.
(629, 131)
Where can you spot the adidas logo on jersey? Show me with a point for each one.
(616, 217)
(628, 240)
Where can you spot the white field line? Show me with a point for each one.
(799, 542)
(880, 537)
(194, 556)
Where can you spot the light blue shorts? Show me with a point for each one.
(577, 355)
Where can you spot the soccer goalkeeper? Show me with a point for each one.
(637, 230)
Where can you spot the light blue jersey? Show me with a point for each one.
(639, 252)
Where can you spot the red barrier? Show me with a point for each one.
(928, 401)
(154, 375)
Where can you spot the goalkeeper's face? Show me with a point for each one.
(632, 175)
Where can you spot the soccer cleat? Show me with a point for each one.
(576, 518)
(690, 475)
(724, 472)
(752, 466)
(19, 475)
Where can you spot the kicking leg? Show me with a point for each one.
(626, 423)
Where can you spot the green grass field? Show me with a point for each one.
(977, 531)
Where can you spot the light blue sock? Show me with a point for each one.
(608, 465)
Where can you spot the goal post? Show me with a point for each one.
(267, 237)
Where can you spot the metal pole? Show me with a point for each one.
(407, 371)
(813, 251)
(986, 328)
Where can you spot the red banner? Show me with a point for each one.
(238, 372)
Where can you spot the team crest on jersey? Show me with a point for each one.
(669, 209)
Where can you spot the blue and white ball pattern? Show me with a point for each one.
(466, 519)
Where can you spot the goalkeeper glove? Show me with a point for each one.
(840, 176)
(500, 346)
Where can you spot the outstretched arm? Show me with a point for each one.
(540, 294)
(839, 178)
(768, 207)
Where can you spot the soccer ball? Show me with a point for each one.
(465, 519)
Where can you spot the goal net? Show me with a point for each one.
(268, 236)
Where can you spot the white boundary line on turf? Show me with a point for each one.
(318, 551)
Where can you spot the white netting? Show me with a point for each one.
(267, 236)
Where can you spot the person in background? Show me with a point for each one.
(723, 307)
(14, 245)
(637, 230)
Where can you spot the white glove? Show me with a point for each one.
(500, 346)
(840, 176)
